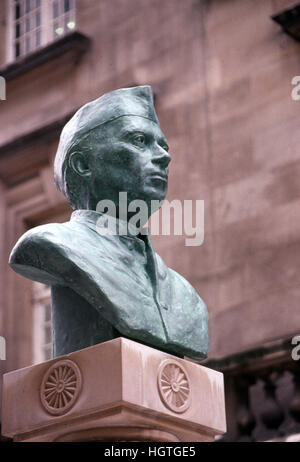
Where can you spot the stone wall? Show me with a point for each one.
(221, 72)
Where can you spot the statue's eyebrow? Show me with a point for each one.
(131, 131)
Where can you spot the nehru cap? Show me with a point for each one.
(137, 101)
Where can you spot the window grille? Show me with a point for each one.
(36, 23)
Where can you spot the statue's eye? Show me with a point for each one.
(140, 138)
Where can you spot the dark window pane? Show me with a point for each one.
(38, 19)
(55, 10)
(27, 25)
(17, 11)
(27, 6)
(38, 38)
(38, 3)
(17, 49)
(17, 30)
(67, 5)
(27, 48)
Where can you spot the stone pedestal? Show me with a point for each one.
(115, 391)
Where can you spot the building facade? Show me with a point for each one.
(222, 75)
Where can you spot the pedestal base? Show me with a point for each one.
(115, 391)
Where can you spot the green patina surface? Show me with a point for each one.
(108, 285)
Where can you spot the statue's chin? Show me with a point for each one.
(156, 193)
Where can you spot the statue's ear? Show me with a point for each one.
(79, 164)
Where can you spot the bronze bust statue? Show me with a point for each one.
(106, 285)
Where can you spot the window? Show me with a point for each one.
(35, 23)
(42, 326)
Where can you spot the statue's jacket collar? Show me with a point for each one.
(122, 277)
(136, 255)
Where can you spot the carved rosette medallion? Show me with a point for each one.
(174, 386)
(60, 387)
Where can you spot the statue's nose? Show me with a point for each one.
(161, 157)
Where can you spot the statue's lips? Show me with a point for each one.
(158, 177)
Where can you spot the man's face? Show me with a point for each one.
(132, 156)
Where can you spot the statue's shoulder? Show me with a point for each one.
(39, 253)
(52, 234)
